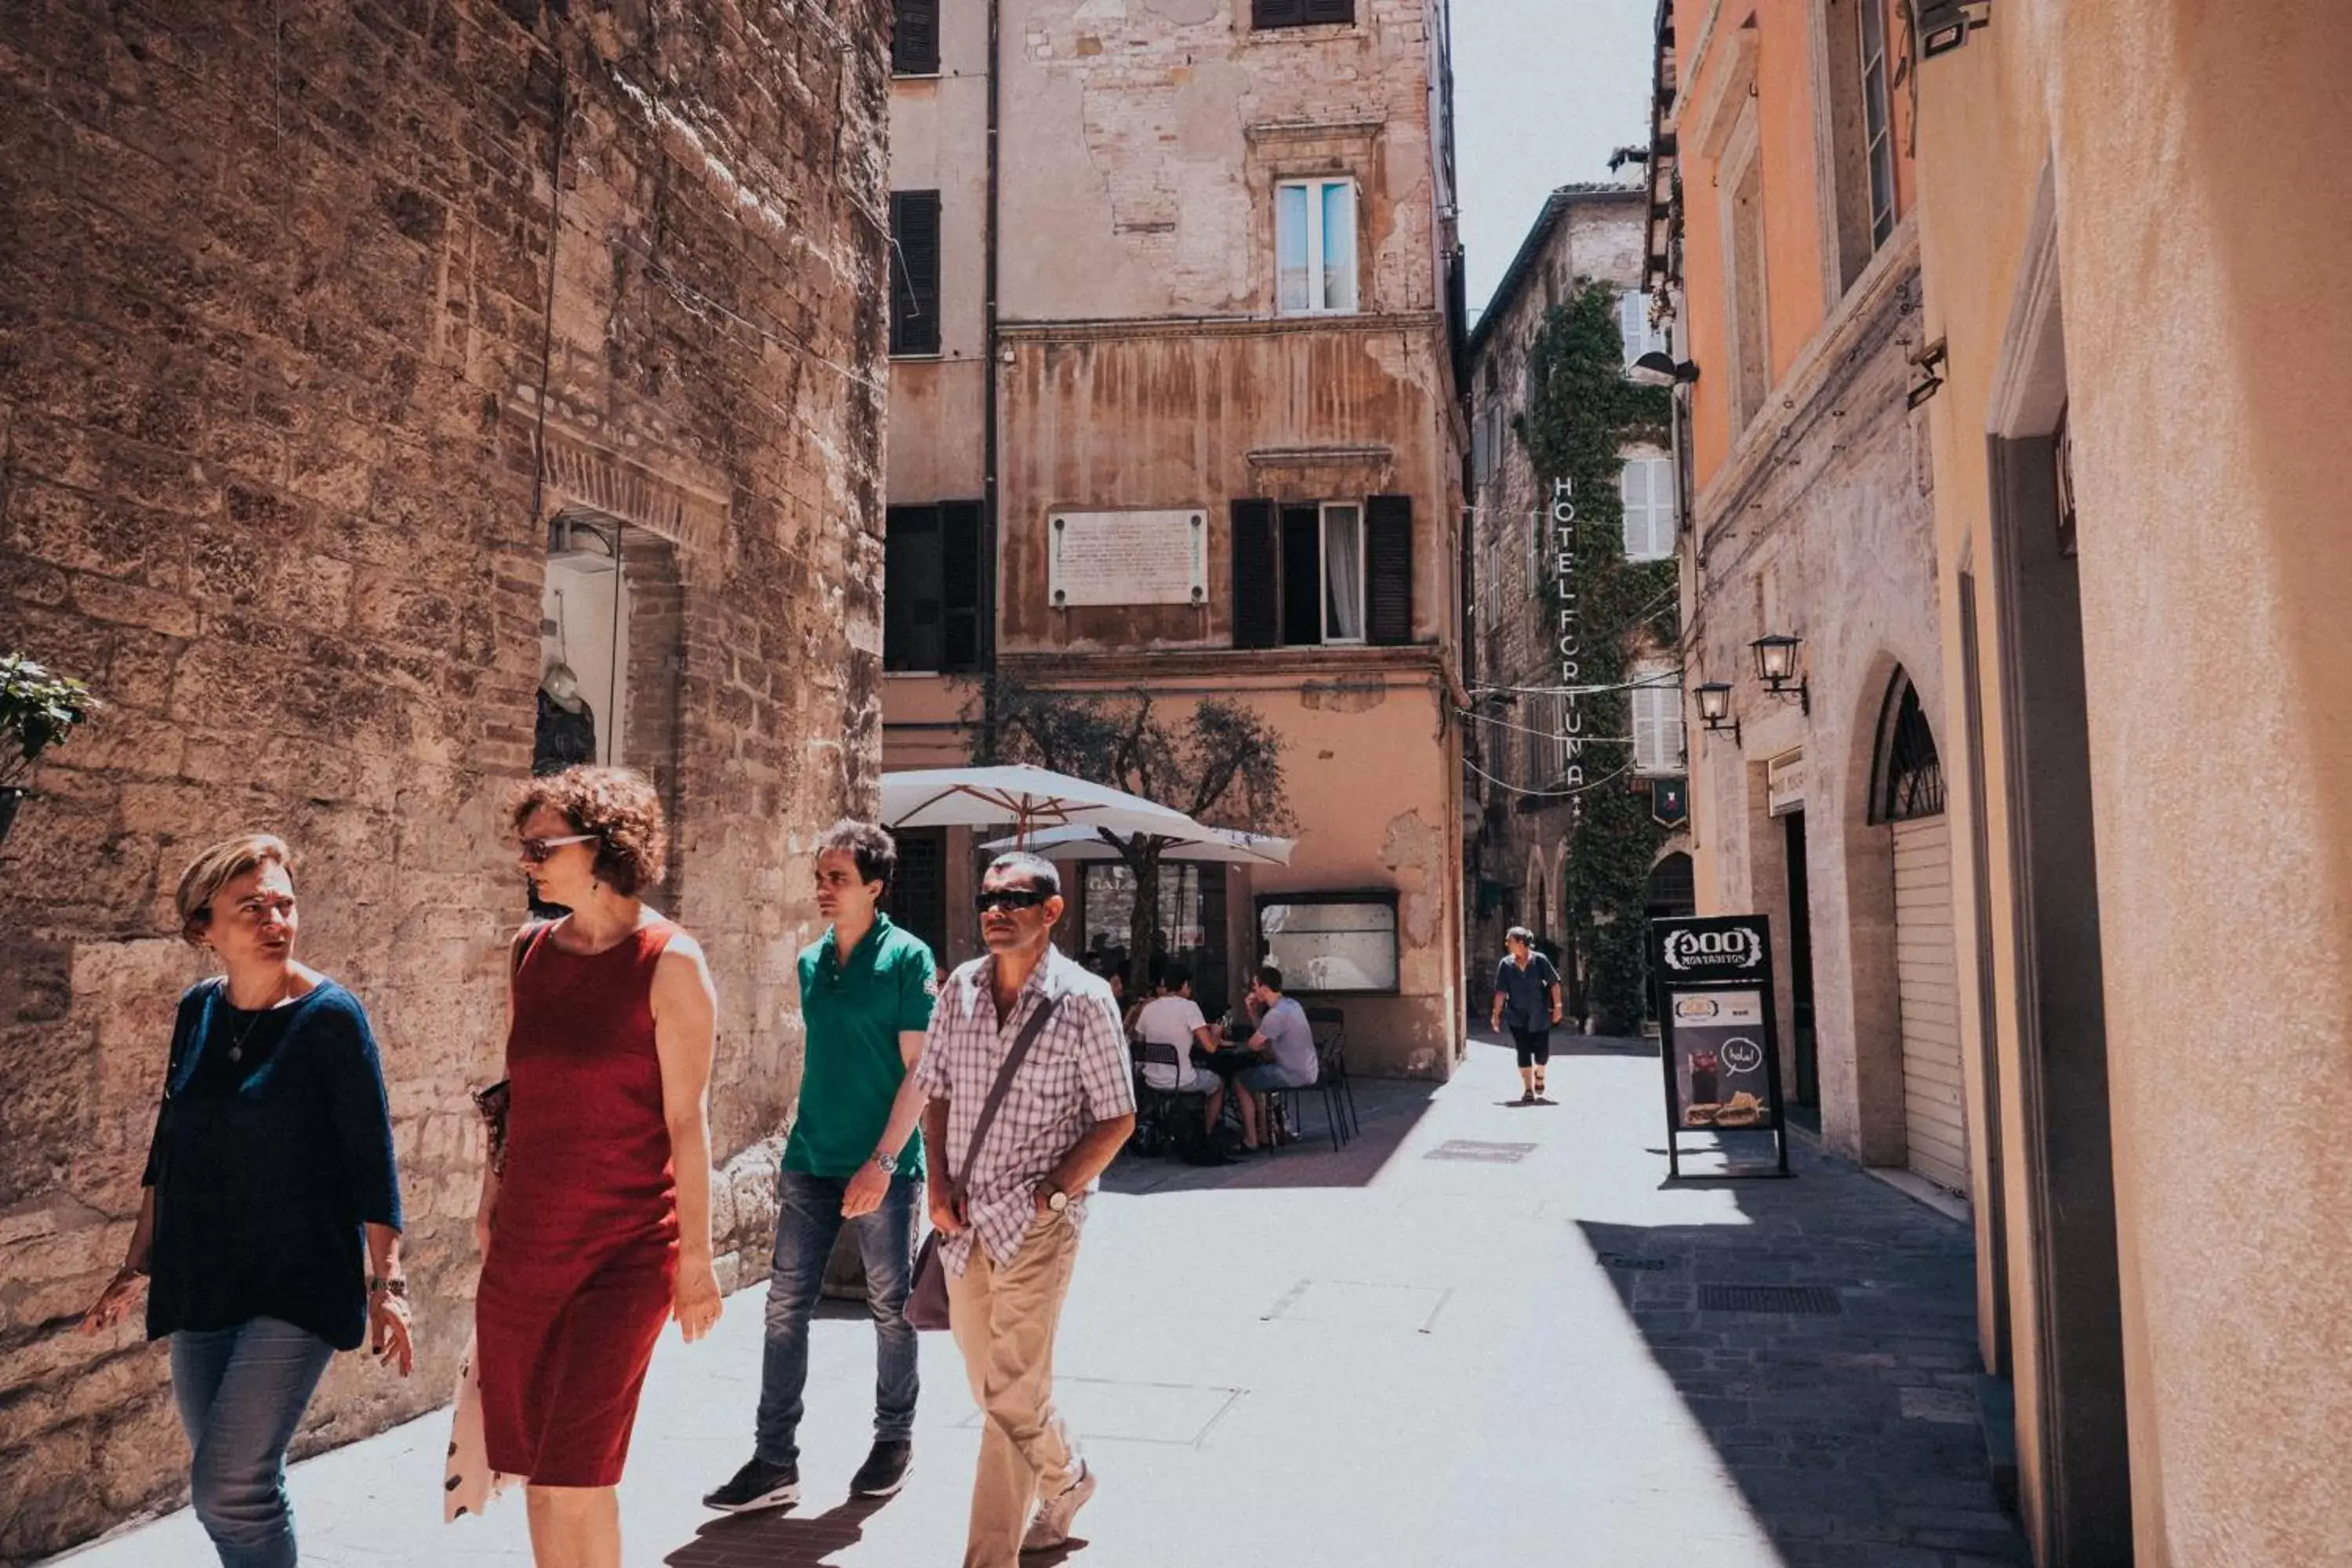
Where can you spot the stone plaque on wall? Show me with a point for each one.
(1127, 558)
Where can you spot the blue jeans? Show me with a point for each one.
(808, 1218)
(241, 1394)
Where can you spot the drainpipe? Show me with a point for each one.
(989, 529)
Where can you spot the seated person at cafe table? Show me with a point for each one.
(1285, 1044)
(1173, 1018)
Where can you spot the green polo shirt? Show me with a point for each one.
(854, 1013)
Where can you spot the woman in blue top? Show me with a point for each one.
(270, 1229)
(1528, 998)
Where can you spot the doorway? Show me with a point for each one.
(2083, 1501)
(1806, 1098)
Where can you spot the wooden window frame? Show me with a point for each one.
(1319, 263)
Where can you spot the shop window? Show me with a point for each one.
(1190, 927)
(1314, 247)
(1331, 943)
(914, 272)
(932, 616)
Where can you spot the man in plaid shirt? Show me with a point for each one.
(1009, 1244)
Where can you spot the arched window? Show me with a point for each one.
(1909, 778)
(1672, 890)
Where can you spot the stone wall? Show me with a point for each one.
(292, 302)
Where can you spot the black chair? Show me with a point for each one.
(1159, 1110)
(1330, 1026)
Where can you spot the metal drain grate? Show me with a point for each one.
(1793, 1300)
(1618, 1261)
(1484, 1153)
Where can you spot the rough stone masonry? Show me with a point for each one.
(313, 314)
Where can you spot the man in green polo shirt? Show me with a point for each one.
(854, 1158)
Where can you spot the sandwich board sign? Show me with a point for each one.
(1717, 1033)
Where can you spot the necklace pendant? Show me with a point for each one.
(237, 1053)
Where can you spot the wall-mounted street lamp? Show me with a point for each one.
(1715, 709)
(1659, 368)
(1776, 667)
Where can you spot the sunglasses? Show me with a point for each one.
(537, 851)
(1010, 899)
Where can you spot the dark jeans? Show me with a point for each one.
(241, 1392)
(808, 1218)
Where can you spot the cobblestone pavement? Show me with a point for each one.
(1499, 1356)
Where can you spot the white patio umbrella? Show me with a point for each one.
(1225, 844)
(1029, 797)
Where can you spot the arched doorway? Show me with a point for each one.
(1908, 793)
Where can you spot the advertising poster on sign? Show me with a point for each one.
(1719, 1079)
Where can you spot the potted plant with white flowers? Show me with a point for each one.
(37, 710)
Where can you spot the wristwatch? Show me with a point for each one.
(1056, 1201)
(886, 1163)
(393, 1286)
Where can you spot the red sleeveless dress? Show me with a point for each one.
(583, 1248)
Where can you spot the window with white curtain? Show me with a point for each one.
(1648, 485)
(1314, 247)
(1656, 706)
(1343, 573)
(1633, 327)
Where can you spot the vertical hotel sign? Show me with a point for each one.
(1568, 639)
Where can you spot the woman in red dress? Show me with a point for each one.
(597, 1228)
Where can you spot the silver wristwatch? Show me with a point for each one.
(886, 1163)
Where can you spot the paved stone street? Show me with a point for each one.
(1383, 1356)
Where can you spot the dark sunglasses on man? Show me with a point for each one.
(1010, 899)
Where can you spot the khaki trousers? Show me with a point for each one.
(1003, 1319)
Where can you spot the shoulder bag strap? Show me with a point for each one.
(1012, 1059)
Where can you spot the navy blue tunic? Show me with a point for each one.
(1526, 992)
(273, 1145)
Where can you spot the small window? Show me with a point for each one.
(1634, 331)
(1551, 752)
(1910, 782)
(914, 272)
(1314, 247)
(1331, 942)
(930, 587)
(915, 38)
(1877, 121)
(1648, 487)
(1656, 710)
(1267, 14)
(1323, 573)
(1337, 572)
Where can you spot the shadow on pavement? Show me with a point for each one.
(780, 1536)
(1387, 1110)
(1827, 1346)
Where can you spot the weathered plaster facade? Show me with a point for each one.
(1519, 844)
(1812, 517)
(1139, 361)
(272, 380)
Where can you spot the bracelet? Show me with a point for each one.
(395, 1287)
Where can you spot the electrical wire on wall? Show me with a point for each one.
(1549, 794)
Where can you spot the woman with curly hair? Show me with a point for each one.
(596, 1224)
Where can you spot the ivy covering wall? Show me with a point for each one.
(1580, 413)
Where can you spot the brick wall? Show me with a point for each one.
(275, 318)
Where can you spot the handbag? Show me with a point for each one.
(927, 1296)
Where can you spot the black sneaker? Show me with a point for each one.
(885, 1470)
(757, 1485)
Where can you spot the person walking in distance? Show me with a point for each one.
(1527, 999)
(597, 1230)
(1010, 1211)
(853, 1159)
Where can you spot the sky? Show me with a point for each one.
(1542, 90)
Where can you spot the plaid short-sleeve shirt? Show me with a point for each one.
(1076, 1075)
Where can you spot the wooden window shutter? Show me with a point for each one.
(914, 272)
(1388, 570)
(915, 38)
(1330, 10)
(1279, 13)
(910, 588)
(1257, 590)
(963, 615)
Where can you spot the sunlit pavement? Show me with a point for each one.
(1370, 1357)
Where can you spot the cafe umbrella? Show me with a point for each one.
(1033, 799)
(1204, 844)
